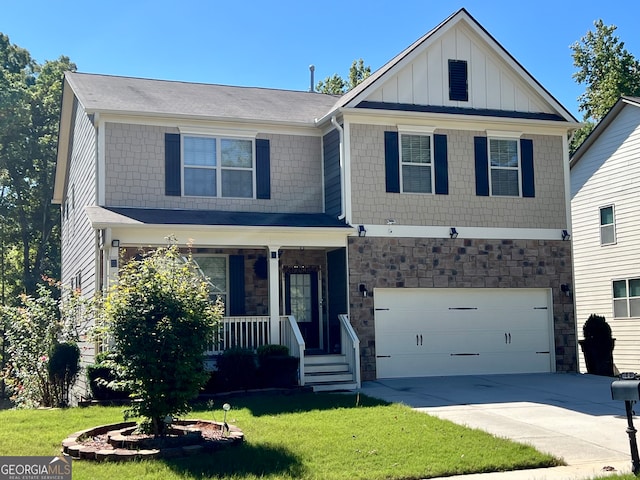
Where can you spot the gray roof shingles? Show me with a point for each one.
(157, 216)
(105, 93)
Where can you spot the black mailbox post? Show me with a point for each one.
(629, 392)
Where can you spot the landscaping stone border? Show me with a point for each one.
(121, 446)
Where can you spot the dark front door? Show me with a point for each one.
(301, 301)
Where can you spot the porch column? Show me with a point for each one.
(274, 293)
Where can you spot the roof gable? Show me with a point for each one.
(601, 127)
(419, 75)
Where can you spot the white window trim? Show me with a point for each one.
(505, 136)
(627, 298)
(416, 129)
(431, 164)
(226, 266)
(613, 224)
(217, 132)
(218, 167)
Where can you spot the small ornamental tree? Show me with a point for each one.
(161, 318)
(33, 330)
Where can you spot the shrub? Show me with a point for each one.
(161, 319)
(237, 368)
(275, 367)
(271, 350)
(597, 346)
(63, 368)
(103, 380)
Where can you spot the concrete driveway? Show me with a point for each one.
(571, 416)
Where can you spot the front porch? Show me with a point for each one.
(339, 370)
(282, 276)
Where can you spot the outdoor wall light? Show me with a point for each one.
(453, 233)
(115, 243)
(362, 232)
(391, 221)
(565, 235)
(564, 288)
(363, 290)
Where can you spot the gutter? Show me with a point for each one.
(335, 123)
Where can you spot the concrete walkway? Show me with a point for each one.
(571, 416)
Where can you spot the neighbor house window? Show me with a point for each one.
(216, 271)
(626, 298)
(607, 226)
(504, 167)
(416, 162)
(218, 167)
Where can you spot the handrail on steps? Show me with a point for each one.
(350, 345)
(291, 336)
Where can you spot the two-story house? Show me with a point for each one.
(604, 201)
(413, 226)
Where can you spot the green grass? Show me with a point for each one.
(301, 436)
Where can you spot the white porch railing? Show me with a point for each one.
(254, 331)
(291, 336)
(350, 345)
(240, 332)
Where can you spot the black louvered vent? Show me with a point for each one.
(458, 85)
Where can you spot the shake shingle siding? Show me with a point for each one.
(135, 173)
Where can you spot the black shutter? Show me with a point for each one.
(526, 159)
(441, 164)
(172, 178)
(482, 166)
(235, 305)
(392, 162)
(263, 169)
(458, 85)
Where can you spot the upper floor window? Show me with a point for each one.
(218, 167)
(626, 298)
(607, 225)
(416, 160)
(504, 167)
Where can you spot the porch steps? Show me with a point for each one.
(325, 373)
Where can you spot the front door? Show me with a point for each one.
(301, 301)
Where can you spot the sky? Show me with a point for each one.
(272, 43)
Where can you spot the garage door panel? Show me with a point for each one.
(422, 332)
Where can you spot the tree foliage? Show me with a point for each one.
(161, 319)
(608, 72)
(30, 99)
(336, 85)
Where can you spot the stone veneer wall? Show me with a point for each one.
(459, 263)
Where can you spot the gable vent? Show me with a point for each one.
(458, 85)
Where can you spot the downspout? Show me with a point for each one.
(335, 123)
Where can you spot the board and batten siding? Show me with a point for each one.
(78, 239)
(608, 174)
(331, 168)
(135, 173)
(492, 83)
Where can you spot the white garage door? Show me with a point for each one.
(468, 331)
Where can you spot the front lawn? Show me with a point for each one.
(295, 436)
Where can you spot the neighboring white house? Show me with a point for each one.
(605, 211)
(416, 221)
